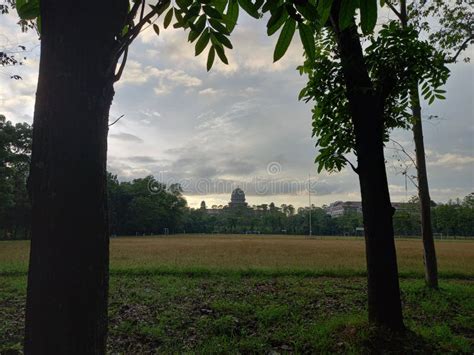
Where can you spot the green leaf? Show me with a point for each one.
(214, 40)
(156, 29)
(163, 7)
(220, 52)
(368, 15)
(284, 40)
(168, 18)
(183, 3)
(193, 11)
(269, 5)
(219, 27)
(210, 58)
(199, 25)
(307, 38)
(249, 8)
(179, 18)
(324, 10)
(277, 20)
(232, 15)
(124, 29)
(346, 13)
(212, 12)
(308, 11)
(320, 167)
(192, 36)
(258, 4)
(302, 94)
(202, 42)
(425, 90)
(28, 9)
(38, 26)
(180, 3)
(223, 40)
(220, 5)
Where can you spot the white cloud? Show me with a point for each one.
(452, 160)
(134, 73)
(209, 92)
(252, 52)
(17, 97)
(168, 79)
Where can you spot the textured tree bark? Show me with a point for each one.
(66, 310)
(431, 264)
(383, 287)
(366, 107)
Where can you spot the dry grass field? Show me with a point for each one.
(235, 294)
(271, 253)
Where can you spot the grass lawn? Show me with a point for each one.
(216, 294)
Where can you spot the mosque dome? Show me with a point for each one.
(237, 198)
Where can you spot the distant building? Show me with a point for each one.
(341, 208)
(404, 206)
(237, 199)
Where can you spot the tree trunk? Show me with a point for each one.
(66, 310)
(367, 115)
(383, 286)
(431, 265)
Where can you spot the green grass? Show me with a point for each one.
(299, 307)
(230, 314)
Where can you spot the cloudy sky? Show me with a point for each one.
(241, 124)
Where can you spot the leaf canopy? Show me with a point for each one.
(394, 58)
(28, 9)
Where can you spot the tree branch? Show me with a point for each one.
(411, 179)
(135, 30)
(460, 49)
(356, 169)
(142, 11)
(133, 11)
(395, 11)
(402, 149)
(122, 65)
(118, 119)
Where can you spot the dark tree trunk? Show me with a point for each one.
(431, 265)
(66, 310)
(367, 115)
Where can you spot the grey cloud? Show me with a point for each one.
(256, 186)
(142, 159)
(127, 137)
(237, 167)
(256, 120)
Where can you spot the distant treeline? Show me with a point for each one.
(15, 151)
(145, 206)
(451, 219)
